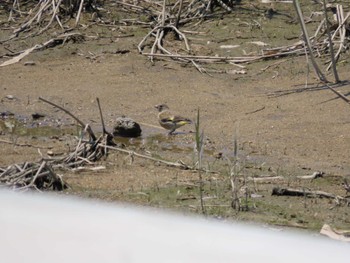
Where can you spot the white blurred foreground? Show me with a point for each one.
(45, 228)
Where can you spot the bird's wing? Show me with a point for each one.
(179, 119)
(169, 118)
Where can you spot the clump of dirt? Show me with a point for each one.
(286, 123)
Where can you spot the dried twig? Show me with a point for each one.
(89, 130)
(307, 41)
(19, 57)
(43, 14)
(31, 175)
(178, 164)
(344, 98)
(52, 42)
(79, 12)
(333, 58)
(269, 179)
(308, 193)
(346, 185)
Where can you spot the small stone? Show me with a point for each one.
(29, 63)
(10, 97)
(36, 116)
(126, 127)
(6, 115)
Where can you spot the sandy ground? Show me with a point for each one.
(306, 128)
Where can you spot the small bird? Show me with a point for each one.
(169, 121)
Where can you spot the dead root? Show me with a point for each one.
(310, 194)
(42, 176)
(38, 175)
(59, 40)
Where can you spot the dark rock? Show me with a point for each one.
(126, 127)
(6, 114)
(29, 63)
(36, 116)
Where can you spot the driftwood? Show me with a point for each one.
(84, 169)
(308, 193)
(339, 94)
(19, 57)
(313, 176)
(267, 179)
(301, 192)
(61, 39)
(336, 234)
(270, 179)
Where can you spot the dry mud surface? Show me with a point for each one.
(283, 127)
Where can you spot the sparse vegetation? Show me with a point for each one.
(199, 149)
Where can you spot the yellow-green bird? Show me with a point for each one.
(169, 121)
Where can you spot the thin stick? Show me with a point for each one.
(182, 35)
(318, 29)
(43, 164)
(307, 41)
(79, 12)
(55, 11)
(140, 45)
(339, 28)
(339, 94)
(163, 14)
(331, 50)
(89, 130)
(19, 57)
(54, 41)
(302, 192)
(342, 33)
(178, 14)
(178, 164)
(101, 116)
(28, 23)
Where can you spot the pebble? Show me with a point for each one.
(29, 63)
(10, 97)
